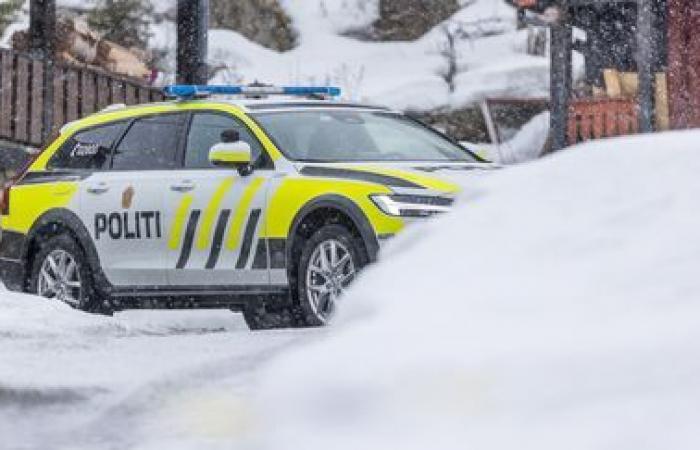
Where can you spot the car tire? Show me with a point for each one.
(326, 239)
(268, 316)
(62, 260)
(304, 311)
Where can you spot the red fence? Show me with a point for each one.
(600, 118)
(37, 98)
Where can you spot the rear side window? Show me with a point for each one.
(150, 143)
(89, 149)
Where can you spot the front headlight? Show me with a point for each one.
(412, 205)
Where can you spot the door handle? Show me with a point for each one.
(100, 188)
(184, 186)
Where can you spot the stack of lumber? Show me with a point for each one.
(76, 43)
(626, 85)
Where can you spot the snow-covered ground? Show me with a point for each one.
(76, 381)
(555, 308)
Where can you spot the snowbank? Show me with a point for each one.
(528, 143)
(29, 316)
(555, 308)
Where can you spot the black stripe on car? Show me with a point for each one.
(278, 253)
(248, 239)
(270, 253)
(218, 239)
(334, 172)
(260, 259)
(189, 238)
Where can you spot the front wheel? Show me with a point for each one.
(328, 262)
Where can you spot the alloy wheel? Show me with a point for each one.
(331, 269)
(59, 278)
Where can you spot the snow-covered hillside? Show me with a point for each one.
(556, 308)
(404, 75)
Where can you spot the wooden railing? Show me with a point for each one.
(600, 118)
(38, 97)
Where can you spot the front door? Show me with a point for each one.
(214, 215)
(123, 206)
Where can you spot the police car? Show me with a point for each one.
(264, 205)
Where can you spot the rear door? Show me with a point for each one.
(123, 206)
(215, 215)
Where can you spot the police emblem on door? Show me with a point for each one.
(127, 197)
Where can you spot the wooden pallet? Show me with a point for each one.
(601, 118)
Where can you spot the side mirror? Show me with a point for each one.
(232, 154)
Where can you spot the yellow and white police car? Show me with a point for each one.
(263, 205)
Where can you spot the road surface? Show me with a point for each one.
(139, 380)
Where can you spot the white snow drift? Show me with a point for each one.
(556, 308)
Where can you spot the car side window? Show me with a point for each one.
(150, 143)
(89, 149)
(205, 132)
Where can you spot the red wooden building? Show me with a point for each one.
(653, 46)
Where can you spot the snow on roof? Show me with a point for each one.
(277, 102)
(296, 103)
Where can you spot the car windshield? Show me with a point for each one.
(333, 136)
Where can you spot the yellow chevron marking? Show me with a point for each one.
(234, 233)
(179, 221)
(204, 236)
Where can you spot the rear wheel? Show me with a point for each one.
(328, 262)
(60, 271)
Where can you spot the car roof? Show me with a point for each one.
(246, 105)
(277, 103)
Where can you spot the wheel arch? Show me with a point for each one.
(344, 206)
(55, 222)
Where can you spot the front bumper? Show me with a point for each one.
(12, 270)
(12, 274)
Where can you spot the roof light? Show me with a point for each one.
(187, 91)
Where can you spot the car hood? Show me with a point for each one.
(443, 177)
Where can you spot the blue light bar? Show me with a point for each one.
(191, 91)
